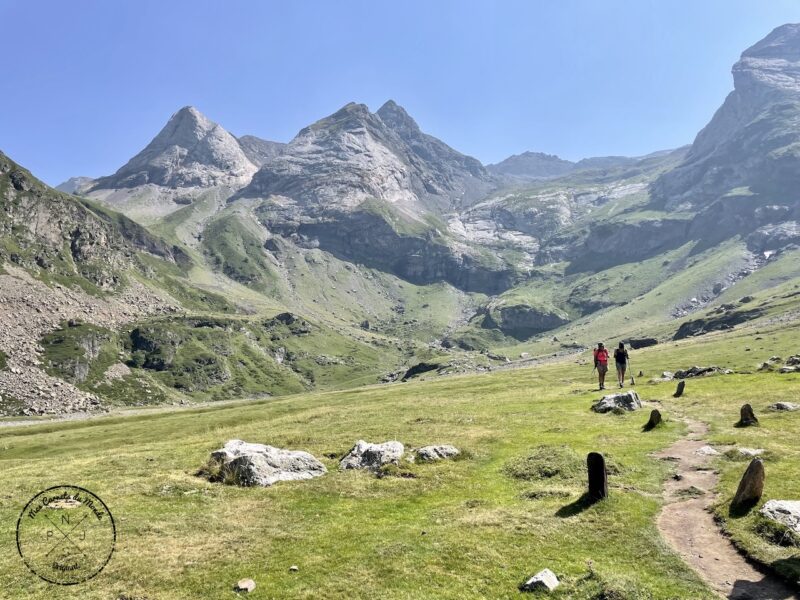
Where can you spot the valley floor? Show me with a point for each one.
(471, 528)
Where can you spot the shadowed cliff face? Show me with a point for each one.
(753, 140)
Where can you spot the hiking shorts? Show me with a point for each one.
(621, 366)
(602, 368)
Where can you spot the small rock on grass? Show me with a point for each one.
(294, 569)
(784, 406)
(785, 512)
(245, 585)
(706, 451)
(544, 580)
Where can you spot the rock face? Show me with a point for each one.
(750, 487)
(522, 321)
(370, 188)
(785, 512)
(431, 453)
(625, 401)
(189, 151)
(372, 456)
(544, 580)
(249, 464)
(260, 151)
(75, 185)
(751, 141)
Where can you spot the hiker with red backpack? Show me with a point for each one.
(601, 363)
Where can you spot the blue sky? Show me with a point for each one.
(87, 83)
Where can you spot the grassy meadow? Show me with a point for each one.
(470, 528)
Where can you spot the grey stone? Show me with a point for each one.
(245, 585)
(626, 401)
(706, 451)
(751, 452)
(784, 406)
(785, 512)
(544, 580)
(249, 464)
(365, 455)
(750, 487)
(429, 453)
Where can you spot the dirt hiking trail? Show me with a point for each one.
(688, 526)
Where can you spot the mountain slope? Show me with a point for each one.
(189, 151)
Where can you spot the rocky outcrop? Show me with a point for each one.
(752, 140)
(48, 231)
(260, 151)
(520, 320)
(75, 185)
(189, 151)
(365, 455)
(706, 325)
(247, 464)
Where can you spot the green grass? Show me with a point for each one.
(471, 528)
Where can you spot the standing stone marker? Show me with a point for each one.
(598, 477)
(750, 487)
(679, 391)
(747, 416)
(655, 420)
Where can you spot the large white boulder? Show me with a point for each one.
(626, 401)
(248, 464)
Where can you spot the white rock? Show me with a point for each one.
(543, 580)
(257, 464)
(245, 585)
(429, 453)
(785, 512)
(707, 451)
(365, 455)
(627, 401)
(751, 451)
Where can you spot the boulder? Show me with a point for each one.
(750, 487)
(365, 455)
(544, 580)
(245, 585)
(430, 453)
(642, 343)
(626, 401)
(784, 406)
(249, 464)
(785, 512)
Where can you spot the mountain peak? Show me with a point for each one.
(190, 150)
(772, 64)
(396, 117)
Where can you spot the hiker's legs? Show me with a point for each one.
(601, 374)
(621, 375)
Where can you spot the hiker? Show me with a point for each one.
(601, 363)
(621, 358)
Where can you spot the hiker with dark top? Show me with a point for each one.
(621, 358)
(601, 364)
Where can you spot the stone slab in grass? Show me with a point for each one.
(785, 512)
(247, 464)
(625, 401)
(365, 455)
